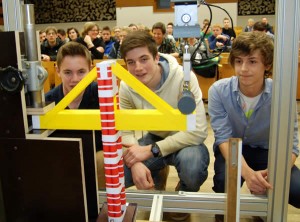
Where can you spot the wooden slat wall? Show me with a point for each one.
(132, 3)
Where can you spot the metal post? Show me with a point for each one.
(30, 33)
(35, 72)
(283, 107)
(156, 214)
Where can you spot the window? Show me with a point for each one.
(163, 6)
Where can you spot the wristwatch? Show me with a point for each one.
(155, 150)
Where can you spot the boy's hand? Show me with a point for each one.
(136, 153)
(257, 182)
(141, 176)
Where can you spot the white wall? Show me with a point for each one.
(145, 15)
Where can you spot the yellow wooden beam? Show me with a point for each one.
(91, 76)
(125, 119)
(141, 89)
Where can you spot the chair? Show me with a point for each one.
(50, 67)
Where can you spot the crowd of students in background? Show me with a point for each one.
(106, 42)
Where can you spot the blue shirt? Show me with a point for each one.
(213, 41)
(228, 119)
(108, 46)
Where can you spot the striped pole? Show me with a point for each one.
(112, 144)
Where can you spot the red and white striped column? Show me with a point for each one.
(112, 144)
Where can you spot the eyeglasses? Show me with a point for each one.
(94, 30)
(51, 33)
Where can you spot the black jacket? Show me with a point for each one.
(97, 42)
(89, 101)
(51, 51)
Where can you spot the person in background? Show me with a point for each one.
(201, 54)
(218, 40)
(115, 51)
(108, 40)
(61, 33)
(205, 22)
(261, 27)
(73, 64)
(91, 41)
(169, 29)
(50, 45)
(73, 34)
(145, 158)
(191, 42)
(205, 26)
(240, 107)
(169, 32)
(147, 29)
(208, 32)
(133, 27)
(141, 26)
(42, 35)
(249, 27)
(269, 28)
(227, 30)
(99, 33)
(116, 32)
(164, 44)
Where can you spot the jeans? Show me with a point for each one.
(190, 162)
(257, 159)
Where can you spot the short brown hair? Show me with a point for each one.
(73, 49)
(106, 28)
(170, 23)
(217, 26)
(138, 39)
(61, 31)
(88, 26)
(248, 42)
(259, 26)
(51, 28)
(161, 26)
(75, 29)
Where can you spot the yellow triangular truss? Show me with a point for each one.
(163, 118)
